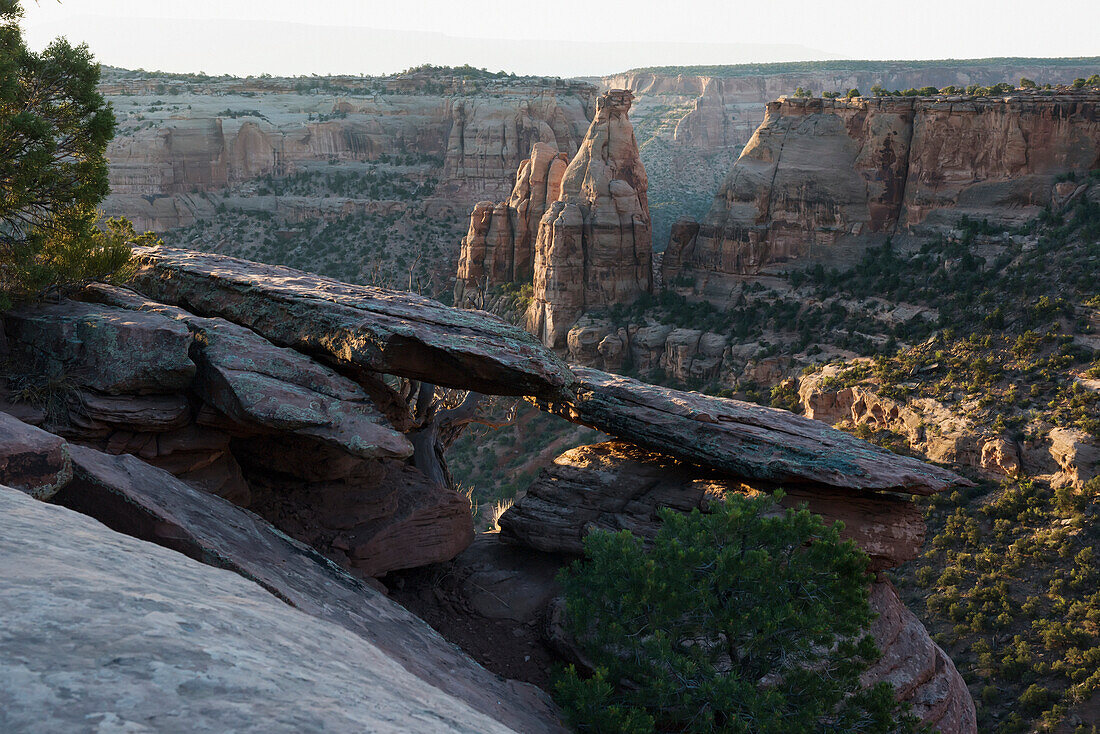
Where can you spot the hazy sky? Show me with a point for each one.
(562, 37)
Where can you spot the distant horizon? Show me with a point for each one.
(577, 39)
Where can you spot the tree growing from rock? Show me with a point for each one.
(54, 130)
(746, 619)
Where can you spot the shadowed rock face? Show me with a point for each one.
(617, 486)
(383, 331)
(89, 613)
(500, 245)
(742, 439)
(821, 174)
(142, 501)
(594, 244)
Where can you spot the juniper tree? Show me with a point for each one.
(54, 130)
(748, 619)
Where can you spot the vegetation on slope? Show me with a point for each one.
(845, 65)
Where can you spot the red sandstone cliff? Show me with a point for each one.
(821, 174)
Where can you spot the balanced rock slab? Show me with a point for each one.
(104, 632)
(373, 328)
(617, 486)
(741, 439)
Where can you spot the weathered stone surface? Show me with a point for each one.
(32, 460)
(500, 245)
(1077, 455)
(743, 439)
(110, 349)
(594, 245)
(137, 499)
(264, 388)
(384, 331)
(919, 670)
(103, 631)
(821, 177)
(152, 413)
(616, 486)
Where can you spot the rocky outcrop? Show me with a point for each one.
(323, 630)
(500, 244)
(374, 329)
(742, 439)
(263, 426)
(617, 486)
(822, 177)
(1077, 455)
(594, 245)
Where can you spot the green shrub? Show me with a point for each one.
(727, 622)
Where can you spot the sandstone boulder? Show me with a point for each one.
(1077, 455)
(89, 613)
(32, 460)
(616, 486)
(261, 388)
(372, 328)
(741, 439)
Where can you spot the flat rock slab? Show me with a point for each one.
(617, 486)
(113, 350)
(103, 632)
(139, 500)
(741, 439)
(265, 388)
(373, 328)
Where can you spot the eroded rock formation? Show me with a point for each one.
(821, 177)
(594, 245)
(500, 245)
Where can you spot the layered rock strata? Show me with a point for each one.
(228, 412)
(209, 139)
(594, 245)
(500, 244)
(821, 177)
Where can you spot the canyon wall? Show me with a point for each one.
(594, 245)
(180, 140)
(692, 122)
(821, 177)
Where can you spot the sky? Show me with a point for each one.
(561, 38)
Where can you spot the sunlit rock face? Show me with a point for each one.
(594, 245)
(821, 176)
(500, 244)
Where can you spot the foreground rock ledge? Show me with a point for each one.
(142, 501)
(380, 330)
(106, 632)
(743, 439)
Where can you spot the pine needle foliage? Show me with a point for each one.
(746, 619)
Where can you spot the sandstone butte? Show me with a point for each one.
(822, 177)
(267, 386)
(581, 233)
